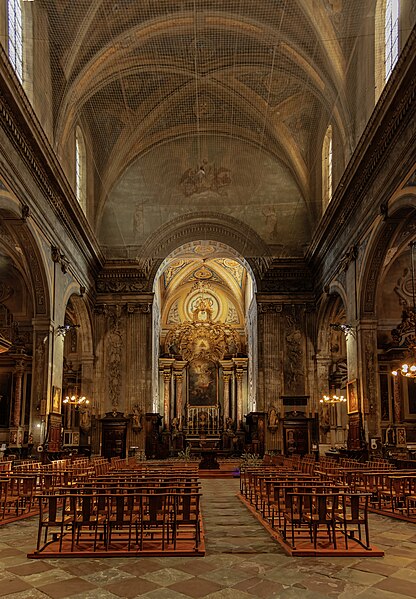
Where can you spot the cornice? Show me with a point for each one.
(287, 276)
(23, 129)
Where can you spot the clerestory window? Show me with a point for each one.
(327, 168)
(80, 169)
(15, 36)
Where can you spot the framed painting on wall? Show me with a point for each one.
(56, 400)
(202, 383)
(400, 436)
(353, 396)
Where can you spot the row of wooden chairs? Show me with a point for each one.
(110, 522)
(294, 502)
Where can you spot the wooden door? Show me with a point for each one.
(114, 438)
(296, 437)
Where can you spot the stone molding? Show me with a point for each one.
(208, 225)
(22, 128)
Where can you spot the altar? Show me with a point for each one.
(204, 380)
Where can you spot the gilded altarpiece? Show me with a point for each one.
(200, 346)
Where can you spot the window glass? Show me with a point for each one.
(327, 167)
(80, 169)
(15, 36)
(391, 36)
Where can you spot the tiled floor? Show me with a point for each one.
(242, 562)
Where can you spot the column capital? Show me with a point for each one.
(241, 363)
(144, 307)
(269, 307)
(178, 366)
(166, 363)
(227, 364)
(19, 366)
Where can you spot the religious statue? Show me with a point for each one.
(390, 436)
(85, 419)
(175, 426)
(273, 419)
(229, 426)
(137, 419)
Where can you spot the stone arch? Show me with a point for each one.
(235, 234)
(402, 209)
(328, 313)
(18, 224)
(83, 319)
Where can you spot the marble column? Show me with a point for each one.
(322, 382)
(241, 365)
(367, 336)
(226, 376)
(42, 331)
(18, 387)
(165, 365)
(396, 400)
(166, 397)
(178, 372)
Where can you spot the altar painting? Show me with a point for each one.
(202, 383)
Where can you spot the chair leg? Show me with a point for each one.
(367, 536)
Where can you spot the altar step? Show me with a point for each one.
(226, 470)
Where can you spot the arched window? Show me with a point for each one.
(15, 36)
(386, 41)
(327, 168)
(80, 169)
(391, 36)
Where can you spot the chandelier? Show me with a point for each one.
(332, 399)
(406, 369)
(63, 329)
(76, 400)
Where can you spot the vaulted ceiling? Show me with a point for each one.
(243, 89)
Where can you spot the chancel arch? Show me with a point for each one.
(203, 295)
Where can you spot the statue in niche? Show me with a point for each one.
(390, 438)
(175, 427)
(137, 419)
(229, 426)
(273, 419)
(85, 419)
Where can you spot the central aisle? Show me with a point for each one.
(229, 526)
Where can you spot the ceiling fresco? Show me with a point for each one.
(257, 189)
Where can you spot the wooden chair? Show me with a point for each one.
(89, 512)
(186, 516)
(322, 508)
(121, 519)
(354, 515)
(53, 514)
(293, 514)
(4, 487)
(154, 516)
